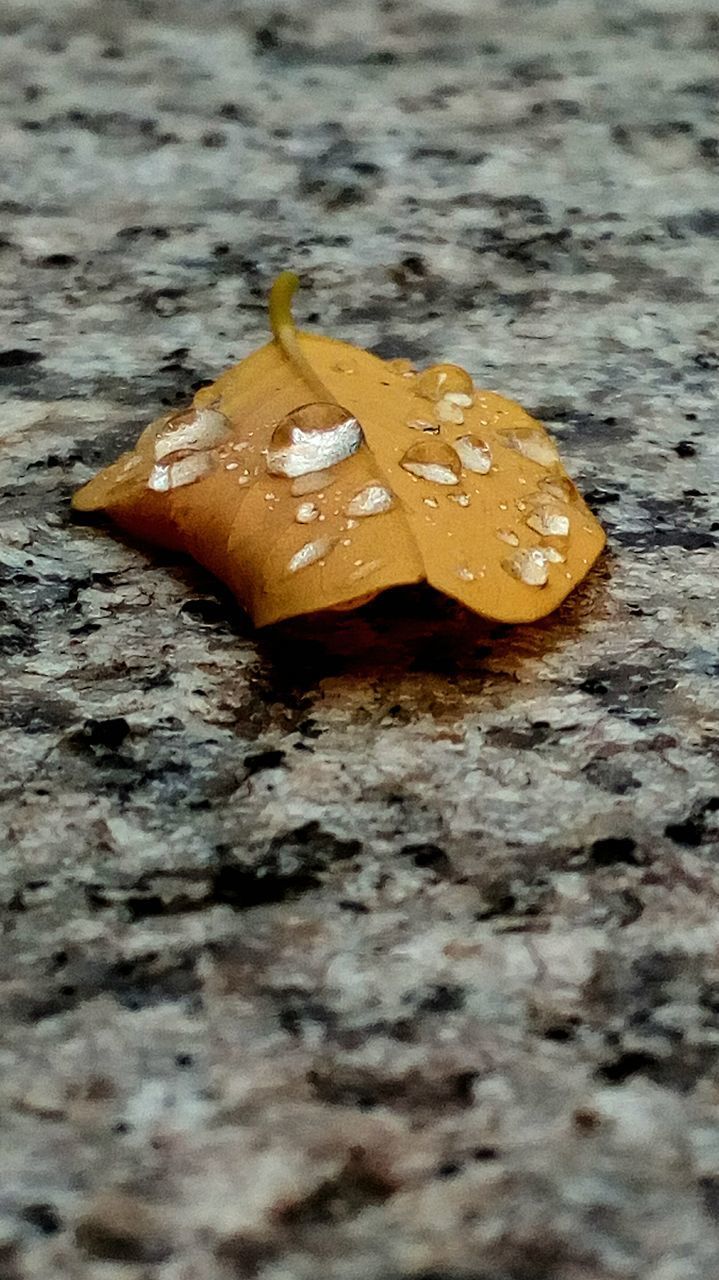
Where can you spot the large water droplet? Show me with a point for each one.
(311, 438)
(529, 565)
(531, 443)
(166, 476)
(193, 429)
(551, 524)
(373, 500)
(310, 553)
(439, 379)
(475, 454)
(432, 460)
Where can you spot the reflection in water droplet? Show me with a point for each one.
(465, 574)
(509, 536)
(432, 460)
(474, 453)
(306, 513)
(312, 438)
(310, 553)
(373, 500)
(315, 482)
(436, 381)
(193, 429)
(532, 443)
(421, 424)
(529, 565)
(551, 524)
(166, 476)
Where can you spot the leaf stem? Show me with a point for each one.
(285, 333)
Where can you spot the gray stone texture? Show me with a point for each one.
(385, 947)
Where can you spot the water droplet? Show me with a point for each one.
(194, 429)
(509, 536)
(310, 553)
(401, 365)
(421, 424)
(475, 454)
(449, 412)
(529, 565)
(432, 460)
(465, 574)
(364, 570)
(306, 513)
(551, 524)
(558, 486)
(166, 476)
(314, 482)
(462, 499)
(440, 379)
(373, 500)
(312, 438)
(532, 443)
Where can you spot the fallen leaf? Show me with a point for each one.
(314, 475)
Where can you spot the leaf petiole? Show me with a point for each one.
(284, 331)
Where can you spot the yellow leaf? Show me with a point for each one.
(314, 475)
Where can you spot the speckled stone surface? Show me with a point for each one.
(386, 950)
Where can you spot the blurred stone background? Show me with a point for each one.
(386, 948)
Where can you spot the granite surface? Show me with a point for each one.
(386, 949)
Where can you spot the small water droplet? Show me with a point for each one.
(529, 565)
(312, 438)
(432, 460)
(313, 482)
(465, 574)
(400, 364)
(439, 379)
(194, 429)
(232, 466)
(430, 502)
(475, 454)
(373, 500)
(551, 524)
(509, 536)
(364, 570)
(421, 424)
(462, 499)
(310, 553)
(306, 513)
(449, 412)
(532, 443)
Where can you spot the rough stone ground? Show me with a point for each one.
(386, 949)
